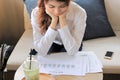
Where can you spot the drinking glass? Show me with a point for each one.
(31, 69)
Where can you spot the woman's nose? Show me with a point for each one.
(57, 11)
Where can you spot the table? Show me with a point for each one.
(19, 74)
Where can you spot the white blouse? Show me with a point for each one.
(70, 36)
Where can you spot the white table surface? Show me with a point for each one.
(91, 76)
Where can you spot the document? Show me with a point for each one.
(64, 64)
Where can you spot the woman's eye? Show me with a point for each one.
(51, 6)
(62, 6)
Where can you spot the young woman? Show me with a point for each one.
(58, 25)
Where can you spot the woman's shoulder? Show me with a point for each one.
(76, 7)
(34, 12)
(34, 16)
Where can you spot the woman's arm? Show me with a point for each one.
(72, 39)
(42, 42)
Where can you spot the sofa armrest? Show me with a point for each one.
(20, 51)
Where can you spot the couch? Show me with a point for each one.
(98, 45)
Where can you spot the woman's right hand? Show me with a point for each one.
(52, 15)
(54, 20)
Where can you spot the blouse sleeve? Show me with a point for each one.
(42, 42)
(72, 39)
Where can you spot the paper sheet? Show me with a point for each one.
(63, 64)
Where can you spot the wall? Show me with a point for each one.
(11, 21)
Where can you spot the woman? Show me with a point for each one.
(58, 25)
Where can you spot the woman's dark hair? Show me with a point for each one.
(44, 19)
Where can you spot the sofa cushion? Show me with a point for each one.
(97, 21)
(113, 13)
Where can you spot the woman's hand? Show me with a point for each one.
(62, 19)
(63, 15)
(52, 15)
(54, 20)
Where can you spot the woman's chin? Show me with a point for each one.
(58, 14)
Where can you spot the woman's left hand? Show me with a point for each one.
(63, 15)
(62, 19)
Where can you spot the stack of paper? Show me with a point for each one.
(63, 64)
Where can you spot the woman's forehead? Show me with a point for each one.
(54, 2)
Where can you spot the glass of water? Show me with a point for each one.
(31, 69)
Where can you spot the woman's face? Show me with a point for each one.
(55, 7)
